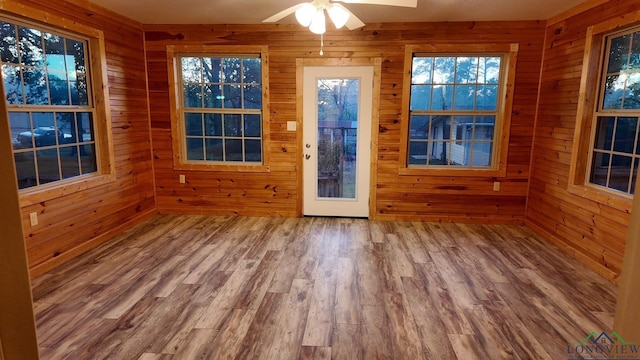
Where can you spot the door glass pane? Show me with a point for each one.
(337, 137)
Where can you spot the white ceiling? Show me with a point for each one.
(254, 11)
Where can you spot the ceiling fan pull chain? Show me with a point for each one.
(321, 44)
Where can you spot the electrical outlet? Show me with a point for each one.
(183, 179)
(496, 186)
(33, 217)
(291, 126)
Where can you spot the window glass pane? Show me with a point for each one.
(620, 173)
(233, 150)
(439, 153)
(482, 153)
(421, 70)
(231, 70)
(66, 127)
(252, 125)
(441, 127)
(487, 98)
(9, 50)
(600, 168)
(625, 134)
(213, 124)
(193, 124)
(85, 126)
(214, 149)
(632, 93)
(489, 70)
(444, 70)
(75, 50)
(619, 53)
(233, 125)
(232, 96)
(25, 169)
(212, 96)
(69, 161)
(88, 162)
(634, 62)
(442, 97)
(614, 91)
(193, 96)
(252, 70)
(35, 87)
(420, 97)
(195, 149)
(460, 153)
(81, 95)
(253, 150)
(211, 70)
(48, 170)
(44, 131)
(59, 88)
(417, 153)
(12, 84)
(191, 70)
(604, 133)
(419, 127)
(55, 55)
(484, 128)
(252, 97)
(31, 46)
(466, 70)
(464, 97)
(20, 130)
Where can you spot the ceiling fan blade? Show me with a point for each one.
(282, 14)
(353, 22)
(403, 3)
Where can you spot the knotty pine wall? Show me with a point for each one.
(397, 196)
(589, 230)
(70, 224)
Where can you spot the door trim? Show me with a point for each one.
(375, 120)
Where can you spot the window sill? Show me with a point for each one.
(602, 196)
(413, 171)
(62, 188)
(222, 167)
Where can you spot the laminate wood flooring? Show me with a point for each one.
(200, 287)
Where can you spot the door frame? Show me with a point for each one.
(376, 63)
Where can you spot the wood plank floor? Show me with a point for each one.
(198, 287)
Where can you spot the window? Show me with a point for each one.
(221, 108)
(605, 153)
(457, 108)
(615, 151)
(60, 127)
(49, 103)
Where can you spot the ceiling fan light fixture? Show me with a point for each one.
(305, 14)
(318, 24)
(339, 16)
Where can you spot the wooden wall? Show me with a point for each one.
(71, 224)
(591, 231)
(398, 196)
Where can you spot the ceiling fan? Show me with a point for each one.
(311, 14)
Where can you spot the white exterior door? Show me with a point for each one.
(337, 117)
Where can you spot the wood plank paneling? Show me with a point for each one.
(73, 223)
(591, 231)
(467, 199)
